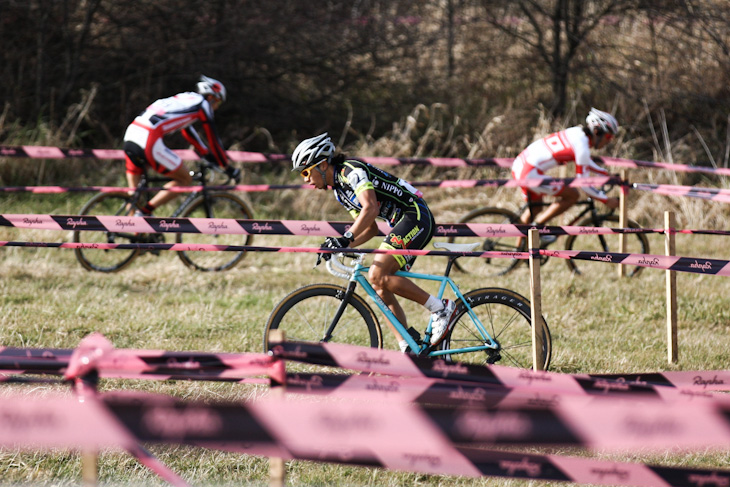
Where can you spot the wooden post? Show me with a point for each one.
(671, 279)
(85, 387)
(533, 243)
(89, 469)
(277, 466)
(622, 222)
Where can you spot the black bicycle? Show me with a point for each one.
(199, 204)
(589, 216)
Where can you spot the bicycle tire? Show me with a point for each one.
(222, 205)
(489, 266)
(101, 260)
(636, 243)
(506, 316)
(305, 314)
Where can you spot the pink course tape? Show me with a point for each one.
(219, 226)
(44, 152)
(383, 434)
(392, 363)
(374, 430)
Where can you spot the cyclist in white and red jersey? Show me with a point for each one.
(144, 145)
(572, 144)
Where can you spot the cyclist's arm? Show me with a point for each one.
(214, 142)
(584, 168)
(191, 135)
(365, 226)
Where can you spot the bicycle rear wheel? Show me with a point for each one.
(635, 243)
(217, 205)
(102, 260)
(305, 314)
(489, 266)
(506, 317)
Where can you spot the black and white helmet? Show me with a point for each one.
(210, 86)
(603, 121)
(312, 151)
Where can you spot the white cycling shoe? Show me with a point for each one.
(442, 322)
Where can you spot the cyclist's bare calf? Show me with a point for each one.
(567, 198)
(180, 177)
(387, 285)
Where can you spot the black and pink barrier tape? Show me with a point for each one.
(48, 152)
(371, 430)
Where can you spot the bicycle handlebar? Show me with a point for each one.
(338, 268)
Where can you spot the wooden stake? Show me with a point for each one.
(533, 241)
(277, 466)
(89, 469)
(622, 222)
(671, 279)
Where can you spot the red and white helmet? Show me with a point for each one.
(312, 151)
(603, 121)
(210, 86)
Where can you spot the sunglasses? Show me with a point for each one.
(306, 172)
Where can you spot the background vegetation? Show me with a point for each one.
(75, 72)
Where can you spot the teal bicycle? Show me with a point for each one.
(493, 325)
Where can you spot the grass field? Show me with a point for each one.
(600, 324)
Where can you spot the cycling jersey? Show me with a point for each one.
(394, 195)
(556, 149)
(401, 205)
(143, 142)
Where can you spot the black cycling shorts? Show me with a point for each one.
(413, 231)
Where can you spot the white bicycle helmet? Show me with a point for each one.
(603, 121)
(210, 86)
(312, 151)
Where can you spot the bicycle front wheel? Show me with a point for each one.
(489, 266)
(217, 205)
(505, 315)
(635, 243)
(102, 260)
(306, 314)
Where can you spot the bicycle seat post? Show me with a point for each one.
(449, 265)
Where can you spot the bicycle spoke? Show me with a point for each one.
(306, 315)
(218, 205)
(505, 315)
(105, 260)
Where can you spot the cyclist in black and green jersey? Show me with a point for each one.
(368, 192)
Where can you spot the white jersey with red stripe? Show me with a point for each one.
(176, 113)
(569, 145)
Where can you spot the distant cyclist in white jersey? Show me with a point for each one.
(144, 145)
(572, 144)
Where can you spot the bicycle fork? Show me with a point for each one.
(340, 310)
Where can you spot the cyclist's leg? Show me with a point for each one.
(169, 164)
(565, 198)
(388, 285)
(135, 162)
(413, 231)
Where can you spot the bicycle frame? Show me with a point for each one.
(358, 276)
(199, 176)
(589, 204)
